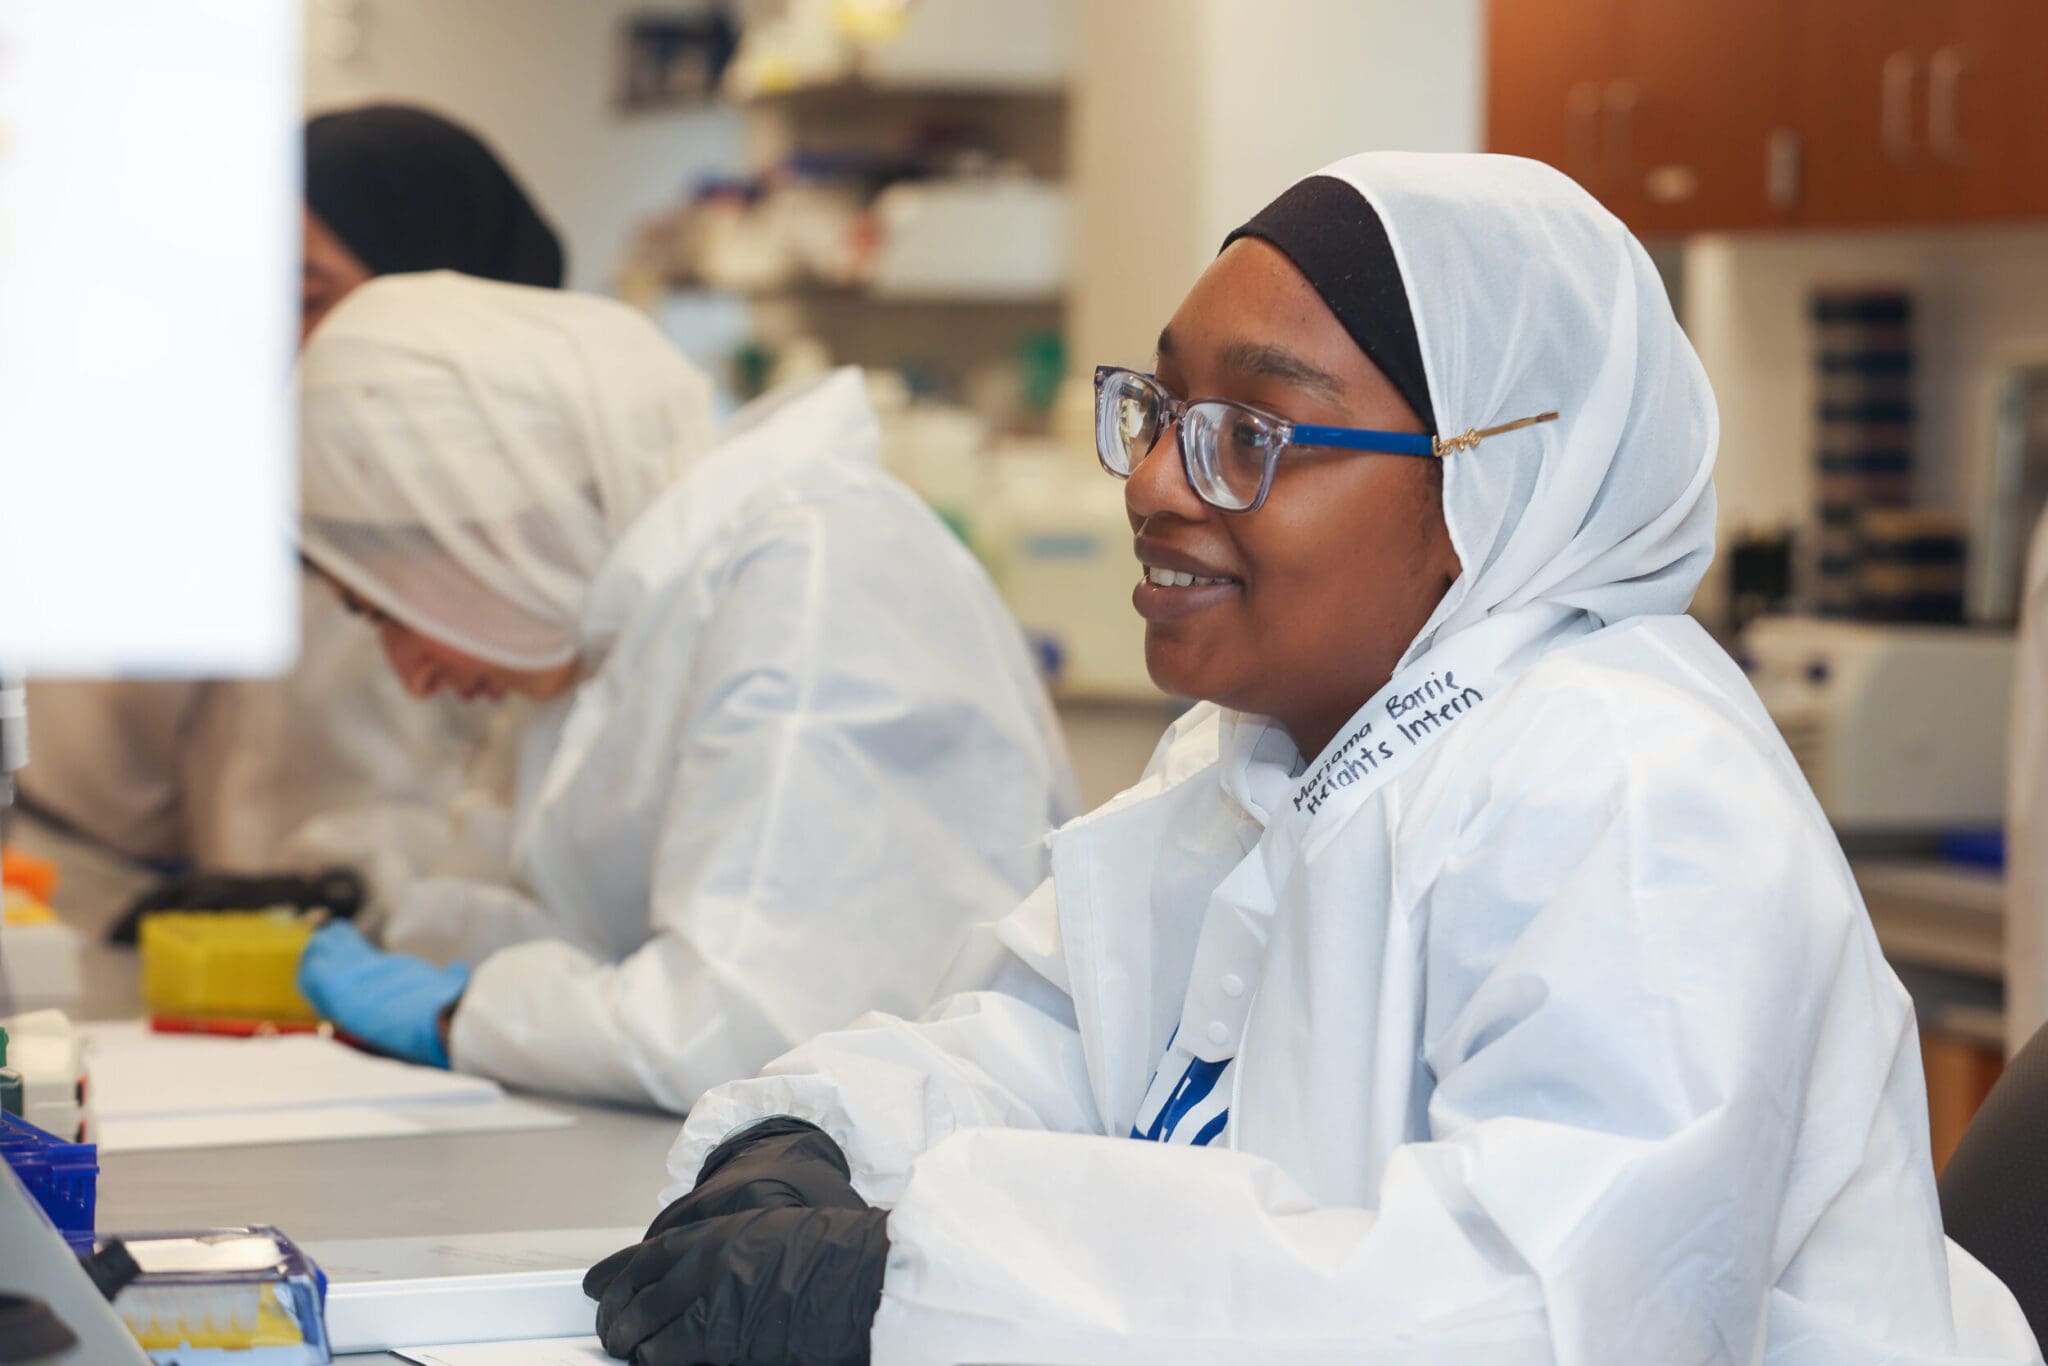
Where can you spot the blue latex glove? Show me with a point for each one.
(391, 1001)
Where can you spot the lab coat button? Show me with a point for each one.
(1232, 984)
(1219, 1032)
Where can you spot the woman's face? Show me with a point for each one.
(1329, 581)
(329, 270)
(425, 665)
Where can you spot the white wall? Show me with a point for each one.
(1981, 295)
(535, 78)
(1224, 104)
(1293, 85)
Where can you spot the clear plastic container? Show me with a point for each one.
(232, 1296)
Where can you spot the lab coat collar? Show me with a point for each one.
(1135, 879)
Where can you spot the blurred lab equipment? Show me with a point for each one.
(48, 1294)
(13, 746)
(978, 44)
(673, 60)
(39, 953)
(13, 757)
(946, 224)
(62, 1175)
(1910, 565)
(1058, 544)
(1899, 729)
(1759, 577)
(217, 1297)
(59, 1171)
(1865, 427)
(994, 236)
(392, 1293)
(2015, 491)
(337, 891)
(45, 1049)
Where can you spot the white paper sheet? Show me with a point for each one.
(137, 1074)
(324, 1123)
(533, 1352)
(153, 1092)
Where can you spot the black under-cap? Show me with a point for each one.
(406, 190)
(1337, 242)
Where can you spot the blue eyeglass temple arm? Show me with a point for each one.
(1406, 443)
(1359, 439)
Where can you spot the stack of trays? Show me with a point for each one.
(1866, 428)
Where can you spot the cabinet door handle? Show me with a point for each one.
(1781, 169)
(1896, 117)
(1620, 104)
(1944, 91)
(1582, 127)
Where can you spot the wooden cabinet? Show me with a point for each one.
(1984, 150)
(1708, 83)
(1920, 113)
(1688, 115)
(1850, 107)
(1665, 109)
(1551, 66)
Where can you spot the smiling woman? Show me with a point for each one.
(1471, 977)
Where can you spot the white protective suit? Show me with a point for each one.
(807, 752)
(1559, 1032)
(2026, 811)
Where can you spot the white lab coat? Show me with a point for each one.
(1556, 1030)
(2026, 811)
(809, 755)
(1571, 1042)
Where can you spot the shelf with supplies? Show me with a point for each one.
(902, 202)
(854, 90)
(824, 292)
(855, 54)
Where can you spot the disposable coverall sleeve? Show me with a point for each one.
(1629, 963)
(887, 1089)
(824, 850)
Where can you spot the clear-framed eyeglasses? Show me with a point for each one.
(1229, 450)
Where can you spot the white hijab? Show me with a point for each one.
(472, 451)
(1529, 296)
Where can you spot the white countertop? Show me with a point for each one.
(603, 1171)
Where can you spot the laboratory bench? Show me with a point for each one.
(603, 1171)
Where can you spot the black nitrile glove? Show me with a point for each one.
(338, 890)
(781, 1163)
(767, 1287)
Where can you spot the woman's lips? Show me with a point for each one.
(1157, 602)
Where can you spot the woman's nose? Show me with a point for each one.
(414, 669)
(1159, 484)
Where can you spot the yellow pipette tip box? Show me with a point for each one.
(241, 964)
